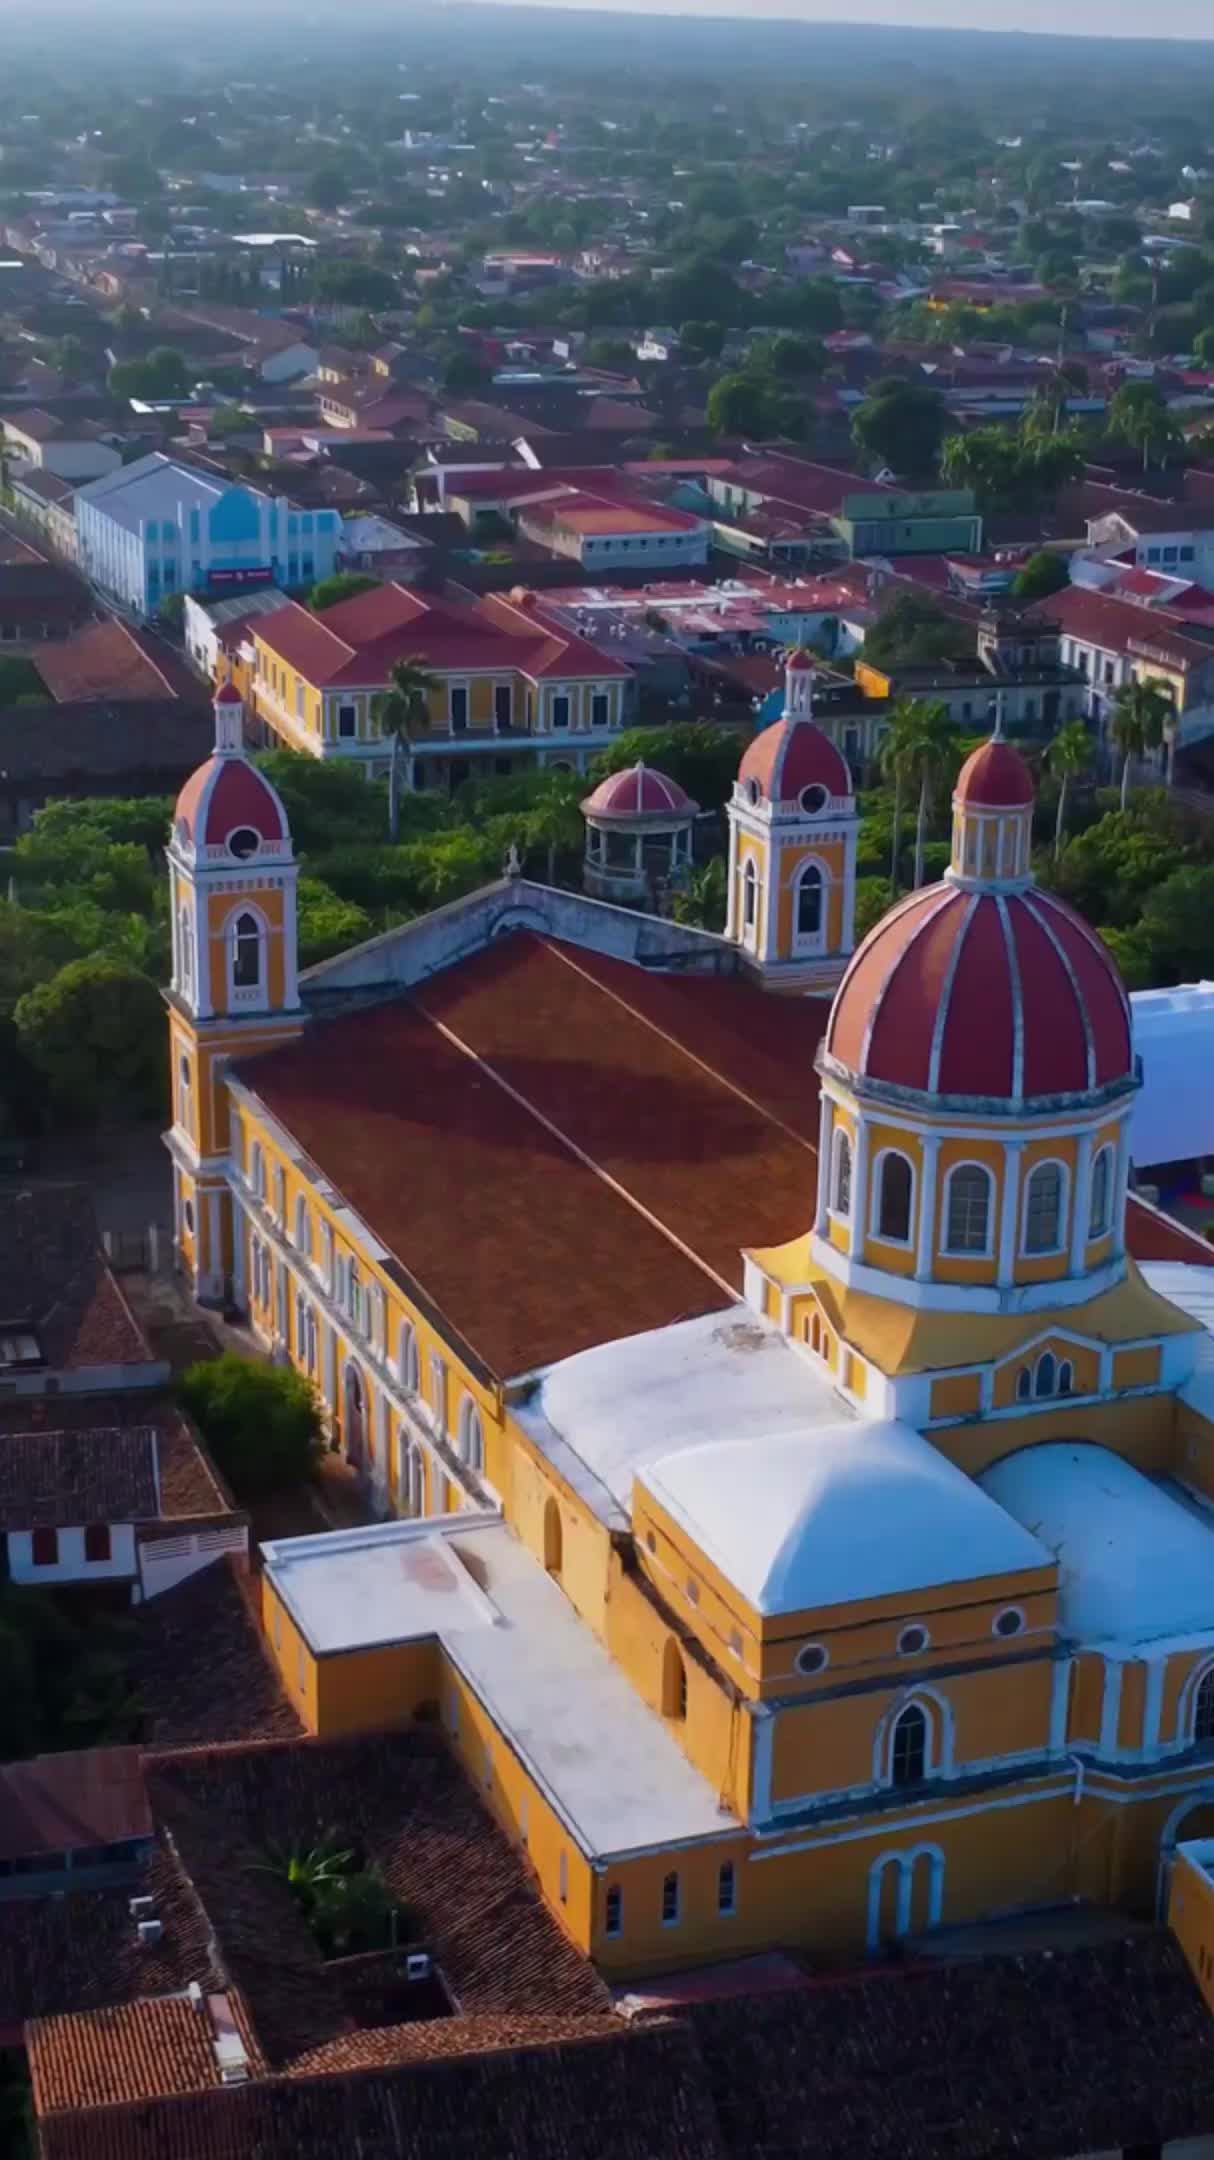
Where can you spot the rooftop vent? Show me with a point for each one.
(150, 1931)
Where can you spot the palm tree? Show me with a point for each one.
(554, 821)
(1069, 754)
(897, 762)
(402, 713)
(933, 747)
(1141, 712)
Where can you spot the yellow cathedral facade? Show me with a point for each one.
(791, 1443)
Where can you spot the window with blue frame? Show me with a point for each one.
(292, 569)
(195, 525)
(309, 566)
(170, 576)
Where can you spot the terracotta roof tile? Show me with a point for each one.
(91, 1474)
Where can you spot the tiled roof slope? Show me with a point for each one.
(629, 1133)
(53, 1276)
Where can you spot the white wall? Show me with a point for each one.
(169, 1560)
(72, 1566)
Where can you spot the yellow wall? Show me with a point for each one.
(1191, 1919)
(1142, 1428)
(584, 1541)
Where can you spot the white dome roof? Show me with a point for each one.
(1136, 1563)
(837, 1514)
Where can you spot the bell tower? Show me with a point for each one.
(792, 849)
(234, 989)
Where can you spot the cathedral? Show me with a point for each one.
(790, 1441)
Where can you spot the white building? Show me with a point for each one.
(158, 527)
(1174, 1110)
(45, 444)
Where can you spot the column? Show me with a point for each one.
(925, 1246)
(826, 1137)
(731, 904)
(1082, 1203)
(849, 893)
(1009, 1224)
(1121, 1179)
(859, 1189)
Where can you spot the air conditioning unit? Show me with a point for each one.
(150, 1931)
(141, 1908)
(417, 1965)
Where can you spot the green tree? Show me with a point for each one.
(902, 425)
(1138, 723)
(702, 901)
(163, 375)
(328, 802)
(913, 631)
(1044, 573)
(898, 759)
(95, 1031)
(327, 187)
(326, 923)
(262, 1423)
(701, 340)
(1068, 755)
(741, 404)
(466, 372)
(71, 360)
(402, 715)
(1139, 415)
(343, 585)
(614, 356)
(555, 822)
(1203, 346)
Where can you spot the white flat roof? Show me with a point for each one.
(826, 1517)
(1173, 1117)
(622, 1405)
(605, 1762)
(1190, 1287)
(1136, 1563)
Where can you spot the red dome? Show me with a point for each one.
(801, 660)
(790, 756)
(639, 791)
(225, 795)
(995, 777)
(965, 994)
(228, 695)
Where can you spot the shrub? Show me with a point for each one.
(261, 1422)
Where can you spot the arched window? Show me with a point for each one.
(471, 1438)
(967, 1222)
(257, 1170)
(842, 1180)
(674, 1682)
(407, 1362)
(810, 902)
(1203, 1707)
(246, 952)
(895, 1180)
(1102, 1193)
(1043, 1209)
(354, 1294)
(554, 1538)
(303, 1228)
(186, 949)
(1046, 1381)
(750, 896)
(415, 1480)
(908, 1750)
(1024, 1384)
(815, 1334)
(1066, 1377)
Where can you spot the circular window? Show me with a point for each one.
(911, 1641)
(188, 1212)
(813, 1658)
(243, 843)
(814, 799)
(1009, 1622)
(752, 791)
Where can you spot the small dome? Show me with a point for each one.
(640, 791)
(961, 993)
(228, 795)
(801, 660)
(228, 695)
(789, 757)
(995, 777)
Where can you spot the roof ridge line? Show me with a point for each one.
(752, 1102)
(588, 1162)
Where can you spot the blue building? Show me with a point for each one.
(157, 527)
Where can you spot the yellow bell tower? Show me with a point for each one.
(792, 849)
(235, 990)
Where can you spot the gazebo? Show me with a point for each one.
(638, 833)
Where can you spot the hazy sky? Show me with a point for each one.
(1092, 18)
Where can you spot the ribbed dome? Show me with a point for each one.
(640, 791)
(228, 795)
(968, 993)
(995, 777)
(790, 756)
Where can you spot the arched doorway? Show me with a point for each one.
(355, 1418)
(554, 1539)
(1193, 1817)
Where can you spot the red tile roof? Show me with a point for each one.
(111, 659)
(635, 1132)
(358, 642)
(87, 1474)
(58, 1803)
(1120, 626)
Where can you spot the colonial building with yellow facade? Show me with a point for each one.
(513, 689)
(793, 1441)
